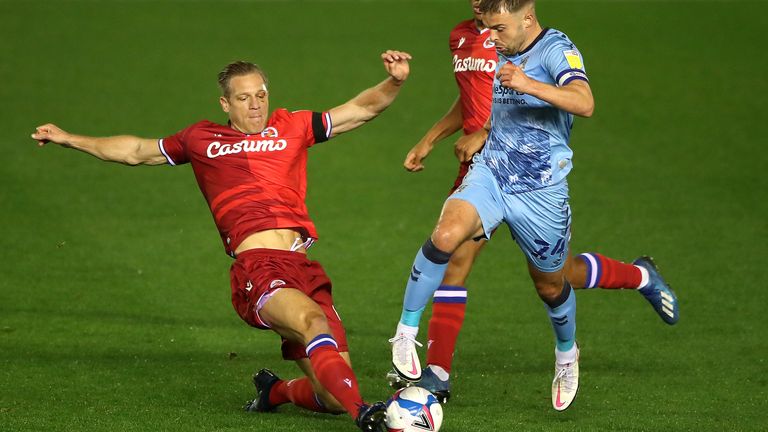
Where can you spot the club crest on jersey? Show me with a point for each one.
(488, 43)
(269, 132)
(523, 63)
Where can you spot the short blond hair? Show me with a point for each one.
(238, 68)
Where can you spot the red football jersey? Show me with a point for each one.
(252, 182)
(474, 65)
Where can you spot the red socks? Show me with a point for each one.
(334, 373)
(448, 307)
(298, 392)
(605, 272)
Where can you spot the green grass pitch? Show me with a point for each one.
(114, 292)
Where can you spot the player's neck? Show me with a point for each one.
(242, 130)
(479, 24)
(533, 34)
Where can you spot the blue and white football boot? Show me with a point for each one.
(432, 383)
(658, 293)
(429, 381)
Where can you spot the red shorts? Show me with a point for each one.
(463, 170)
(256, 274)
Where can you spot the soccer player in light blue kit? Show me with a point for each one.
(519, 178)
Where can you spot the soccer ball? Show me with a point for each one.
(413, 409)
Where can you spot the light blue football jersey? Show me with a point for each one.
(527, 147)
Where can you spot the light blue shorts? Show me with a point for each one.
(539, 220)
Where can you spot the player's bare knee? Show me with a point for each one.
(317, 323)
(311, 323)
(444, 241)
(448, 237)
(548, 291)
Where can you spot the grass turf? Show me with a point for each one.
(114, 298)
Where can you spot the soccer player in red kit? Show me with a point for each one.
(474, 65)
(252, 173)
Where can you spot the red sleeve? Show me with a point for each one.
(174, 147)
(453, 37)
(317, 126)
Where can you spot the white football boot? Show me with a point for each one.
(565, 385)
(405, 359)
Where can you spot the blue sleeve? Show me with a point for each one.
(564, 63)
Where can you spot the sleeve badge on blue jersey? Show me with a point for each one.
(574, 59)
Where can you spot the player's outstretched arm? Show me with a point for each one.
(125, 149)
(574, 97)
(445, 127)
(371, 102)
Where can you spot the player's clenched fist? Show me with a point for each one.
(467, 145)
(396, 64)
(413, 160)
(513, 77)
(49, 133)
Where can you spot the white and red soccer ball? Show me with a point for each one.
(413, 409)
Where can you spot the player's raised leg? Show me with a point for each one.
(458, 222)
(297, 318)
(593, 270)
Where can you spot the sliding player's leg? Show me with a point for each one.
(300, 320)
(306, 392)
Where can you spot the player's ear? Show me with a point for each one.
(224, 104)
(529, 18)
